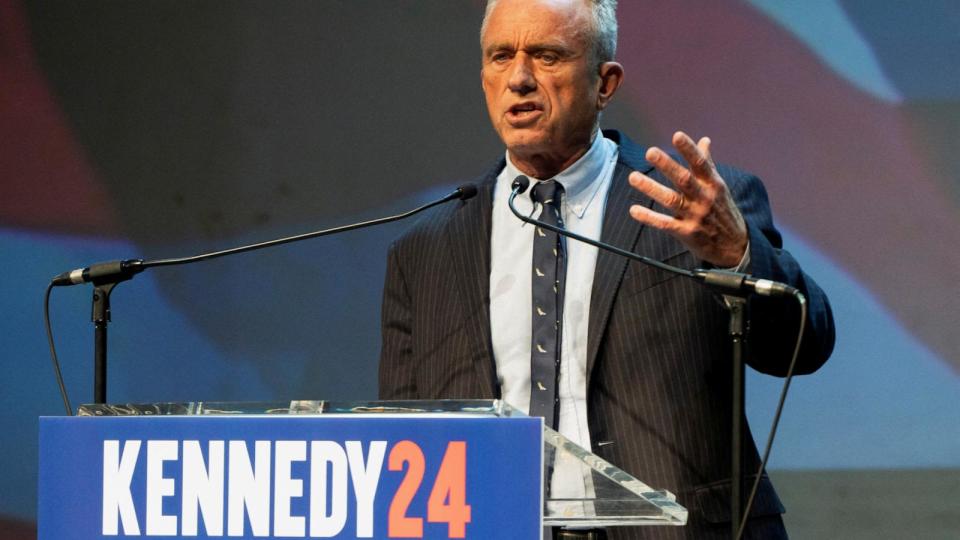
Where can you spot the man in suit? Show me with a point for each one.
(643, 357)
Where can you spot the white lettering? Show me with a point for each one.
(159, 487)
(238, 490)
(117, 475)
(203, 488)
(323, 525)
(365, 480)
(249, 487)
(286, 487)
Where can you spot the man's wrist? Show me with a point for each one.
(743, 266)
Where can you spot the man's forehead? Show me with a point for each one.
(543, 4)
(545, 21)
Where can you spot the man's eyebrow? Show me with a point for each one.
(492, 48)
(558, 48)
(531, 48)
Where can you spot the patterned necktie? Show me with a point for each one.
(548, 272)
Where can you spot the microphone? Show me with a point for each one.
(464, 192)
(730, 283)
(106, 275)
(724, 281)
(117, 271)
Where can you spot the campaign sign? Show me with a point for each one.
(289, 477)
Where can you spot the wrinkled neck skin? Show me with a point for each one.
(546, 165)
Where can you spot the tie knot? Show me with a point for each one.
(547, 193)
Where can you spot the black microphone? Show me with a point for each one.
(117, 271)
(464, 192)
(725, 281)
(106, 275)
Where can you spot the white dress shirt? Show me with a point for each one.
(585, 184)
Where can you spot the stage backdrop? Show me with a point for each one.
(158, 129)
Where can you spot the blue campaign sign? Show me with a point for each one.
(290, 477)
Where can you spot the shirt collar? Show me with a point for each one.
(582, 180)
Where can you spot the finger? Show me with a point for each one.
(657, 220)
(699, 161)
(663, 195)
(680, 176)
(704, 145)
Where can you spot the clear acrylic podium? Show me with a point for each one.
(609, 498)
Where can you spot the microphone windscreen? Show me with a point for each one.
(467, 191)
(520, 183)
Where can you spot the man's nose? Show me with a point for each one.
(521, 79)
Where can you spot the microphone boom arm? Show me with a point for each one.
(106, 275)
(725, 281)
(622, 252)
(117, 271)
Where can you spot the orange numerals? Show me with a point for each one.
(448, 497)
(398, 524)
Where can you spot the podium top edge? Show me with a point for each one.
(487, 407)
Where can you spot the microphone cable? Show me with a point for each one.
(53, 351)
(776, 417)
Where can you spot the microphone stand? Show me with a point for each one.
(735, 287)
(100, 316)
(107, 275)
(735, 305)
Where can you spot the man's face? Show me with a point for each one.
(539, 79)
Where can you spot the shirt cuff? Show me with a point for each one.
(744, 263)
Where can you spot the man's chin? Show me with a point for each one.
(527, 145)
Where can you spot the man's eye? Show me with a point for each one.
(500, 57)
(548, 58)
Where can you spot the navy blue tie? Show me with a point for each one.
(547, 273)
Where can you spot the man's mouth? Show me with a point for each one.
(523, 112)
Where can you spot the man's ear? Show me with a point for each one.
(610, 78)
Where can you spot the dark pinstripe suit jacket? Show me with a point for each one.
(658, 365)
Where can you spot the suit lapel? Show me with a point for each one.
(468, 241)
(620, 230)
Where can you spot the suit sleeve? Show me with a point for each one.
(397, 376)
(774, 322)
